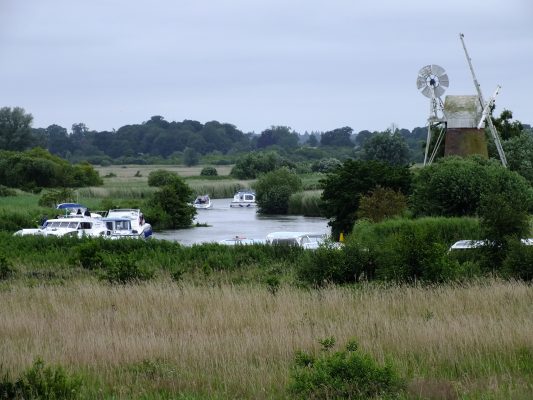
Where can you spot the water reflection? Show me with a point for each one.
(225, 222)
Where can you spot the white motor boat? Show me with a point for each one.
(202, 202)
(138, 225)
(240, 240)
(243, 199)
(120, 228)
(70, 225)
(76, 209)
(306, 240)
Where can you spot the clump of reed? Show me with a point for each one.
(307, 203)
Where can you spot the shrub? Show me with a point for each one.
(519, 261)
(251, 165)
(126, 269)
(41, 382)
(6, 269)
(51, 198)
(382, 203)
(5, 191)
(333, 265)
(326, 165)
(307, 203)
(161, 177)
(88, 255)
(209, 171)
(274, 189)
(346, 374)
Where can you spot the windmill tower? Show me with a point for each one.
(432, 82)
(460, 119)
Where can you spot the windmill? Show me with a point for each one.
(432, 82)
(486, 107)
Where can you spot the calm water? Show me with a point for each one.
(225, 222)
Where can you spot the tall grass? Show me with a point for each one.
(306, 203)
(239, 341)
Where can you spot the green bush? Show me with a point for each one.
(5, 191)
(126, 269)
(274, 190)
(6, 269)
(88, 255)
(161, 177)
(333, 265)
(51, 198)
(346, 374)
(308, 204)
(209, 171)
(519, 261)
(41, 382)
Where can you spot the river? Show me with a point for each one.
(225, 222)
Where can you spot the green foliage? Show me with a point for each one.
(308, 204)
(209, 171)
(169, 207)
(190, 157)
(346, 374)
(519, 261)
(161, 177)
(42, 382)
(519, 154)
(507, 129)
(88, 255)
(387, 147)
(407, 250)
(278, 136)
(326, 165)
(38, 168)
(337, 137)
(382, 203)
(454, 186)
(251, 165)
(6, 268)
(51, 198)
(126, 269)
(328, 264)
(344, 187)
(6, 192)
(274, 190)
(15, 129)
(12, 221)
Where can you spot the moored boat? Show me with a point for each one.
(243, 199)
(69, 225)
(138, 225)
(202, 202)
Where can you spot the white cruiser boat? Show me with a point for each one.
(243, 199)
(306, 240)
(138, 226)
(202, 202)
(70, 225)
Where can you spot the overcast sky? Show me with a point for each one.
(311, 65)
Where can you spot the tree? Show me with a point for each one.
(337, 137)
(344, 187)
(386, 147)
(190, 157)
(274, 189)
(519, 154)
(15, 129)
(253, 164)
(455, 186)
(278, 135)
(505, 127)
(169, 207)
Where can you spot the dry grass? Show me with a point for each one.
(239, 341)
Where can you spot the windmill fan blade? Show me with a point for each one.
(420, 82)
(425, 71)
(444, 81)
(439, 91)
(437, 70)
(427, 91)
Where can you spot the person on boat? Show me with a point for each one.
(87, 213)
(42, 223)
(78, 212)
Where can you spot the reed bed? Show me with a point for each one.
(238, 341)
(306, 203)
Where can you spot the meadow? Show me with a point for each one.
(166, 340)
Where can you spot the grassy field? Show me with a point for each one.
(161, 339)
